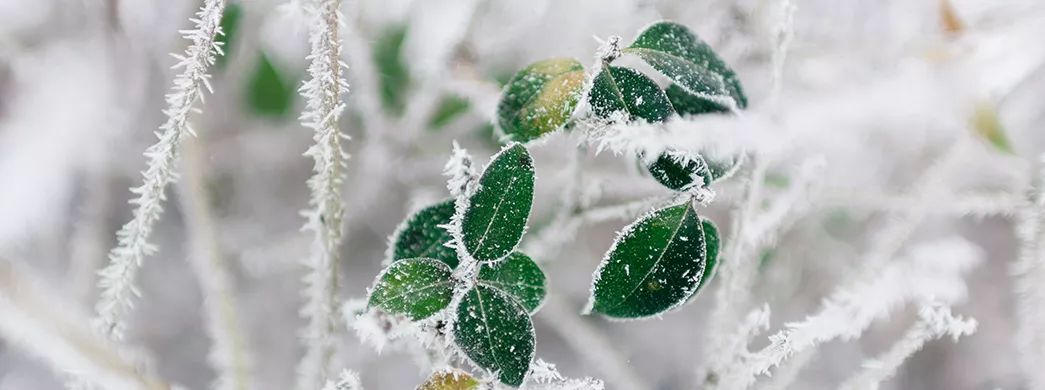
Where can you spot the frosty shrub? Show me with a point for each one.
(460, 255)
(719, 202)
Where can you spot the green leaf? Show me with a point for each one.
(450, 107)
(230, 28)
(496, 217)
(518, 276)
(711, 243)
(626, 90)
(416, 288)
(540, 98)
(655, 265)
(449, 379)
(672, 49)
(495, 332)
(270, 94)
(393, 74)
(678, 172)
(687, 104)
(421, 236)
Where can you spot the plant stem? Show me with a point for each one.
(117, 279)
(324, 92)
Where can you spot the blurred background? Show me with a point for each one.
(877, 89)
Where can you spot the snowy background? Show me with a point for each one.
(888, 128)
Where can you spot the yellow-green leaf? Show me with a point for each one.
(540, 98)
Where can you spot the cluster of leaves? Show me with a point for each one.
(488, 287)
(663, 259)
(544, 97)
(458, 257)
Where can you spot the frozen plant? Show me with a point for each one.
(775, 194)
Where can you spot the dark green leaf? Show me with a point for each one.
(421, 236)
(497, 213)
(416, 288)
(271, 94)
(626, 90)
(495, 332)
(675, 51)
(540, 98)
(450, 107)
(687, 104)
(679, 172)
(518, 276)
(654, 266)
(449, 379)
(229, 28)
(711, 242)
(394, 76)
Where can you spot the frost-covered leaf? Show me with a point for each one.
(626, 90)
(679, 172)
(495, 332)
(540, 98)
(656, 264)
(394, 76)
(711, 245)
(421, 236)
(675, 51)
(449, 379)
(518, 276)
(230, 19)
(416, 288)
(270, 92)
(687, 104)
(497, 212)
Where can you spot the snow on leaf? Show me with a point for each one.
(679, 171)
(675, 51)
(618, 89)
(495, 220)
(495, 332)
(665, 254)
(687, 104)
(540, 98)
(518, 276)
(449, 379)
(421, 236)
(416, 288)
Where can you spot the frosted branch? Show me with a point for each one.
(117, 279)
(324, 94)
(935, 321)
(931, 272)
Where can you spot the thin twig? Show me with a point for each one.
(117, 279)
(324, 93)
